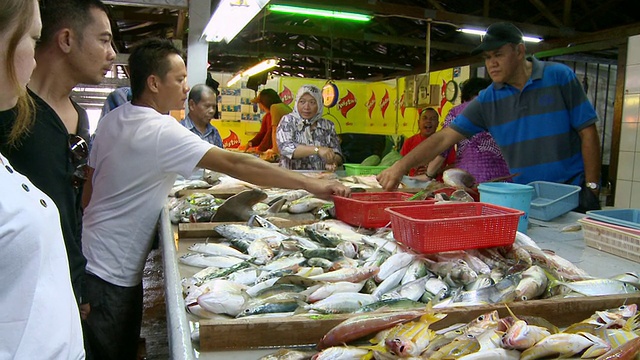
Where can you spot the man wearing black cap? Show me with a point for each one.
(536, 111)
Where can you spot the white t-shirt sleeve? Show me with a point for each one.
(179, 150)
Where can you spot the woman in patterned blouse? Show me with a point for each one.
(306, 140)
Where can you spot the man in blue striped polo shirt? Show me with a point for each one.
(536, 111)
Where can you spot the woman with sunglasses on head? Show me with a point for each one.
(40, 318)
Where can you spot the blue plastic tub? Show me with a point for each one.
(515, 196)
(623, 217)
(551, 200)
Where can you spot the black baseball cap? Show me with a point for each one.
(497, 35)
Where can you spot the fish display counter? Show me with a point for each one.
(251, 338)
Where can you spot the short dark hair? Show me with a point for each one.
(268, 97)
(150, 57)
(73, 14)
(198, 90)
(472, 87)
(428, 108)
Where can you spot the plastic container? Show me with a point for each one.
(623, 217)
(357, 169)
(367, 209)
(515, 196)
(551, 200)
(454, 226)
(610, 238)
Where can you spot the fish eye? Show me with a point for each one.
(459, 332)
(622, 307)
(470, 336)
(481, 317)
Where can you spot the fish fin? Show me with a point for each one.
(632, 323)
(511, 312)
(301, 308)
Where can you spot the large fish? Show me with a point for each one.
(218, 249)
(458, 178)
(363, 325)
(234, 231)
(341, 303)
(239, 207)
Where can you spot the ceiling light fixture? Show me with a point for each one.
(482, 33)
(321, 13)
(256, 69)
(230, 17)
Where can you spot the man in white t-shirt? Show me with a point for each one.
(137, 153)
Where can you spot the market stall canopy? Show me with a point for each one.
(393, 43)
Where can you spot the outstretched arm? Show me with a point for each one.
(420, 155)
(251, 169)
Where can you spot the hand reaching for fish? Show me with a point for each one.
(325, 188)
(390, 178)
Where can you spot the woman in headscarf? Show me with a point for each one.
(306, 140)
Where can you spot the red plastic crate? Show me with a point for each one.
(367, 209)
(455, 226)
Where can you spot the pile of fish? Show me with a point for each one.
(203, 207)
(608, 334)
(329, 267)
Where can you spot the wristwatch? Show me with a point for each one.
(593, 185)
(316, 150)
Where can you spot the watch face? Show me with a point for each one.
(451, 91)
(330, 95)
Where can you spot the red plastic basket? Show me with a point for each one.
(455, 226)
(367, 209)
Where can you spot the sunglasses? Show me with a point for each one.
(78, 148)
(79, 151)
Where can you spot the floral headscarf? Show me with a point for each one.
(317, 94)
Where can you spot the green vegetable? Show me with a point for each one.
(372, 160)
(390, 158)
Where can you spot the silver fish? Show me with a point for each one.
(329, 289)
(233, 231)
(260, 251)
(204, 261)
(341, 303)
(412, 290)
(393, 263)
(223, 297)
(218, 249)
(416, 270)
(390, 282)
(305, 204)
(597, 287)
(348, 274)
(458, 178)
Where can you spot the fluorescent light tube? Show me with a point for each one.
(234, 79)
(319, 12)
(230, 17)
(482, 33)
(255, 69)
(260, 67)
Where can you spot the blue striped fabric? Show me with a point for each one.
(536, 129)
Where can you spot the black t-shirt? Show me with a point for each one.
(44, 157)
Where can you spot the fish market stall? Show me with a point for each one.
(237, 338)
